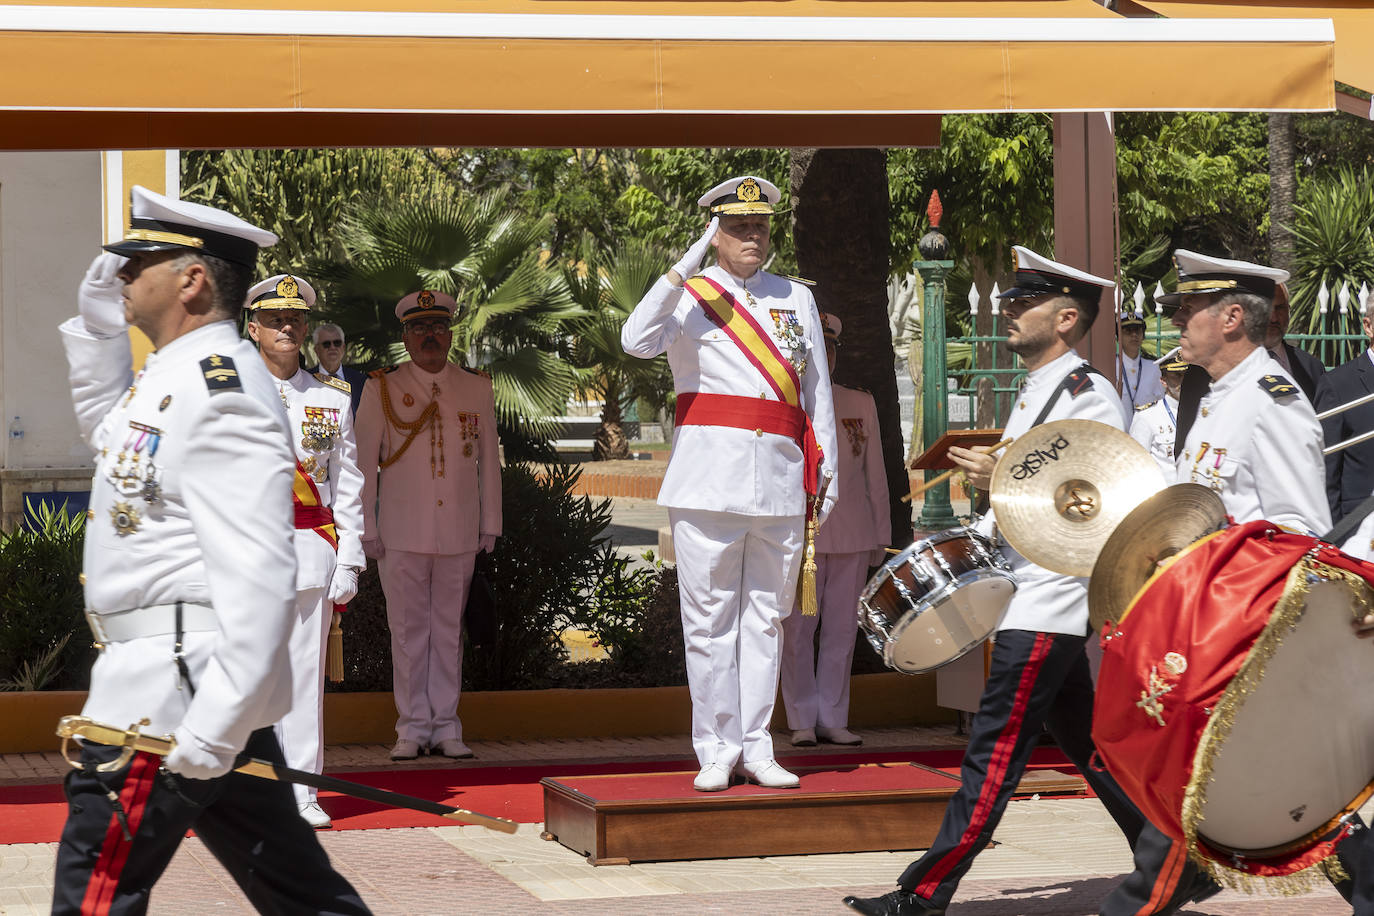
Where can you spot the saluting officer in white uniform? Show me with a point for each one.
(815, 680)
(1255, 440)
(427, 449)
(1039, 675)
(327, 499)
(755, 433)
(190, 574)
(1155, 424)
(1140, 380)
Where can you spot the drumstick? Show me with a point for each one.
(936, 481)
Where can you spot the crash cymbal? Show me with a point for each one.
(1159, 527)
(1061, 489)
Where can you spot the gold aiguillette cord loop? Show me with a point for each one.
(411, 429)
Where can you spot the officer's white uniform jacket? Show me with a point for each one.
(335, 474)
(1140, 381)
(1048, 601)
(724, 469)
(444, 493)
(1261, 451)
(862, 520)
(220, 532)
(1153, 426)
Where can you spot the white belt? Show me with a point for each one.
(157, 620)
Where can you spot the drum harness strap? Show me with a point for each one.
(1075, 383)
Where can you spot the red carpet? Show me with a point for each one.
(34, 814)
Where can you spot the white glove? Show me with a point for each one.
(193, 759)
(373, 547)
(100, 297)
(487, 543)
(687, 267)
(344, 585)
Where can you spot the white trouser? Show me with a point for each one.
(815, 685)
(737, 576)
(301, 730)
(425, 595)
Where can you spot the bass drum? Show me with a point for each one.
(936, 600)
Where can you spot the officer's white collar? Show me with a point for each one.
(197, 339)
(1056, 367)
(1240, 371)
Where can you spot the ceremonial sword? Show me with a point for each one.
(132, 740)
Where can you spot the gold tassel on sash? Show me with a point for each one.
(333, 656)
(809, 606)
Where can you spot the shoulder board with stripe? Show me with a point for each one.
(1140, 407)
(1078, 381)
(1277, 386)
(802, 280)
(481, 372)
(220, 373)
(333, 382)
(377, 373)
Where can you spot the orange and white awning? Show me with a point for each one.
(111, 74)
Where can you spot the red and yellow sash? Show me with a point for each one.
(310, 511)
(753, 341)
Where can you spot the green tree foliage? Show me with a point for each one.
(301, 195)
(608, 289)
(515, 312)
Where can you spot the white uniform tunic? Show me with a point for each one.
(737, 501)
(1154, 426)
(321, 424)
(218, 531)
(1261, 451)
(1046, 601)
(430, 509)
(1140, 381)
(815, 684)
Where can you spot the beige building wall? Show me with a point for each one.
(56, 209)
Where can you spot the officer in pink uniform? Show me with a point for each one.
(427, 450)
(815, 683)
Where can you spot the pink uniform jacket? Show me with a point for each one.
(862, 518)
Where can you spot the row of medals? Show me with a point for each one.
(135, 476)
(318, 437)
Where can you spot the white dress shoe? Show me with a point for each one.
(838, 736)
(768, 774)
(405, 749)
(804, 737)
(714, 777)
(314, 815)
(452, 747)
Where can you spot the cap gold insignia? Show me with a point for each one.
(425, 299)
(1015, 260)
(287, 288)
(748, 190)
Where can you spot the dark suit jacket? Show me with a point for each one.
(1349, 473)
(1307, 369)
(355, 379)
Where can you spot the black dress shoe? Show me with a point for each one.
(893, 903)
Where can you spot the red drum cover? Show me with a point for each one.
(1172, 656)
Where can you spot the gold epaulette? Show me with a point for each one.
(378, 373)
(1140, 407)
(802, 280)
(482, 372)
(333, 382)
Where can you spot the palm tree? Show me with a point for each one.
(514, 310)
(609, 292)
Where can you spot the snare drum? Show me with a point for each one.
(936, 600)
(1233, 703)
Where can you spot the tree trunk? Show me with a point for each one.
(1283, 184)
(611, 443)
(840, 227)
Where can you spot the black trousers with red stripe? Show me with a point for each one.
(251, 825)
(1036, 681)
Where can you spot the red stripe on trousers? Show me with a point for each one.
(998, 762)
(1166, 882)
(115, 852)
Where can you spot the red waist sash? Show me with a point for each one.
(696, 408)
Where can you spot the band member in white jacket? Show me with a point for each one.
(815, 679)
(754, 436)
(326, 497)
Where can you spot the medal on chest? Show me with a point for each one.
(319, 432)
(788, 329)
(467, 423)
(1207, 466)
(134, 474)
(854, 430)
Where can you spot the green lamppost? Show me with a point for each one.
(936, 512)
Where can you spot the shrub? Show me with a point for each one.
(44, 642)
